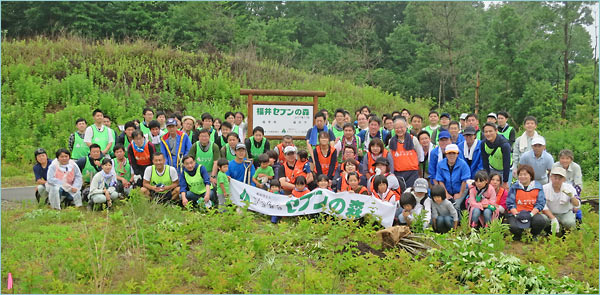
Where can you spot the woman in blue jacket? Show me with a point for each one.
(452, 173)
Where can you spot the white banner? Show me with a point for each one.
(279, 120)
(345, 204)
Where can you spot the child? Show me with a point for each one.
(300, 189)
(353, 184)
(350, 165)
(423, 201)
(443, 214)
(407, 203)
(382, 191)
(323, 182)
(103, 185)
(222, 181)
(501, 193)
(264, 173)
(275, 187)
(273, 157)
(123, 170)
(305, 164)
(482, 199)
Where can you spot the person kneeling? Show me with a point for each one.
(561, 199)
(64, 180)
(161, 181)
(195, 184)
(103, 187)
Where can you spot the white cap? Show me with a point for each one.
(289, 149)
(451, 148)
(538, 140)
(493, 115)
(559, 171)
(463, 116)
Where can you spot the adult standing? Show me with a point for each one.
(373, 131)
(495, 153)
(504, 129)
(523, 143)
(312, 133)
(174, 145)
(257, 144)
(99, 134)
(148, 115)
(438, 154)
(126, 137)
(434, 118)
(405, 153)
(240, 127)
(539, 159)
(77, 146)
(427, 146)
(338, 124)
(470, 150)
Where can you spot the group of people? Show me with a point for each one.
(438, 171)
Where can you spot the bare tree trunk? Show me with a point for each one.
(563, 111)
(477, 95)
(440, 95)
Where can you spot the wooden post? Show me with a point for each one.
(315, 107)
(250, 127)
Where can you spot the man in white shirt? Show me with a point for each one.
(99, 134)
(561, 198)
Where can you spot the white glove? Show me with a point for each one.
(377, 171)
(555, 226)
(136, 178)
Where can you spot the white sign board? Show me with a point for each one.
(280, 120)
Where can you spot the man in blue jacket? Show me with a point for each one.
(470, 151)
(174, 145)
(437, 154)
(452, 173)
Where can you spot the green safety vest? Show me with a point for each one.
(430, 131)
(80, 148)
(495, 160)
(256, 151)
(506, 133)
(337, 133)
(145, 130)
(236, 129)
(88, 170)
(125, 172)
(228, 155)
(100, 138)
(165, 179)
(126, 144)
(212, 135)
(205, 158)
(195, 183)
(223, 142)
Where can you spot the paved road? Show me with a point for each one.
(17, 194)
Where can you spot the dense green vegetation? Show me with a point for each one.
(142, 247)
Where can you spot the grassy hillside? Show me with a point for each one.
(47, 84)
(142, 247)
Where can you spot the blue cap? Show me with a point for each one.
(445, 115)
(444, 134)
(171, 122)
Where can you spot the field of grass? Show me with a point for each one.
(141, 247)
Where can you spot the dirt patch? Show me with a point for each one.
(364, 248)
(593, 203)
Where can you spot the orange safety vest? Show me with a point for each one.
(344, 186)
(389, 196)
(143, 158)
(371, 161)
(281, 154)
(292, 173)
(526, 200)
(326, 161)
(298, 194)
(405, 160)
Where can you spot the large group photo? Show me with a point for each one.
(260, 151)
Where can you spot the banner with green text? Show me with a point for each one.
(345, 204)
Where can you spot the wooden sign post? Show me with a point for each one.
(290, 119)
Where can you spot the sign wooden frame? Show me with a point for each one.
(267, 92)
